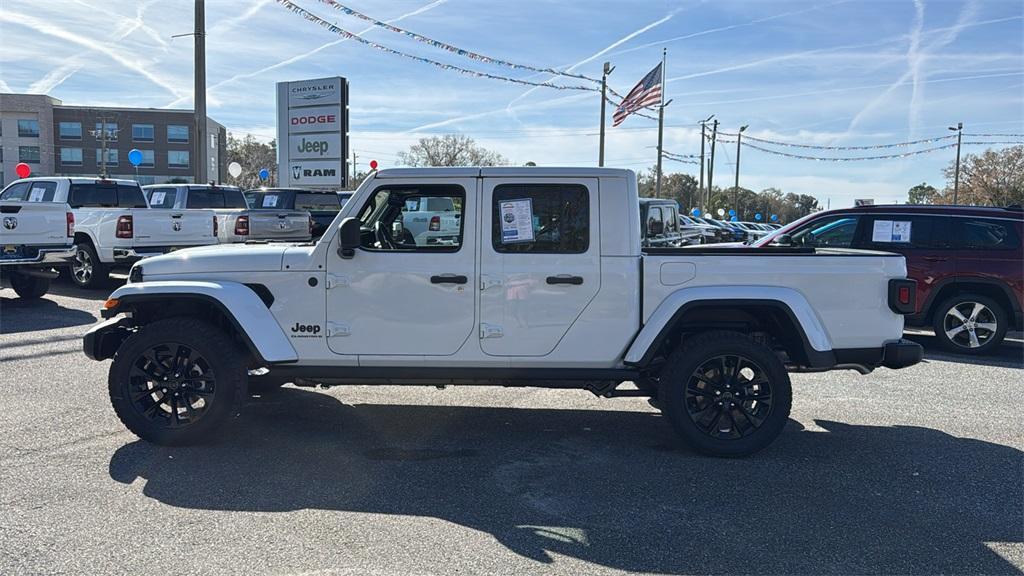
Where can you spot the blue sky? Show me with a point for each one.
(822, 72)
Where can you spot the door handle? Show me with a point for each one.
(448, 279)
(565, 279)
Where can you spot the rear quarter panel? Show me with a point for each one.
(847, 291)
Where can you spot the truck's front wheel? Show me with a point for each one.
(725, 394)
(176, 380)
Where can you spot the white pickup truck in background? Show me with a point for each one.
(237, 222)
(543, 283)
(429, 221)
(114, 226)
(35, 238)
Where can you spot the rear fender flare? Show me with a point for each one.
(239, 303)
(816, 342)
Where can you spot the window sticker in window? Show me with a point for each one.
(270, 201)
(157, 198)
(37, 193)
(891, 231)
(517, 221)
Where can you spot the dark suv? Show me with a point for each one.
(967, 261)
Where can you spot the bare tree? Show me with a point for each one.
(252, 155)
(450, 150)
(993, 178)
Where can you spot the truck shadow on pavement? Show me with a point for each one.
(612, 487)
(17, 315)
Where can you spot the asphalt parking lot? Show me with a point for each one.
(911, 472)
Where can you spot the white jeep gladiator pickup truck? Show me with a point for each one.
(545, 284)
(237, 222)
(114, 226)
(35, 237)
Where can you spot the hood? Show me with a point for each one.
(218, 258)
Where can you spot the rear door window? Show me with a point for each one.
(558, 218)
(41, 191)
(984, 234)
(162, 197)
(902, 231)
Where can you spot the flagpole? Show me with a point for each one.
(604, 85)
(661, 123)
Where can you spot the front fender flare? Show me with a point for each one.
(816, 342)
(239, 303)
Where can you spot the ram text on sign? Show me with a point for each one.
(316, 172)
(314, 146)
(315, 119)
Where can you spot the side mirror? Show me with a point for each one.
(783, 240)
(349, 237)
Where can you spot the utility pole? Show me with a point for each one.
(604, 86)
(199, 34)
(703, 136)
(711, 164)
(353, 168)
(959, 129)
(102, 133)
(661, 123)
(736, 185)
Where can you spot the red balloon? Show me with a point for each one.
(373, 164)
(23, 170)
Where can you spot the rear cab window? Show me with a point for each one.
(314, 202)
(105, 194)
(558, 218)
(216, 198)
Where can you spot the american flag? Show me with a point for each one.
(646, 93)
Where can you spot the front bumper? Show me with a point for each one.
(103, 339)
(42, 256)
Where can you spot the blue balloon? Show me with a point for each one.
(695, 211)
(757, 216)
(135, 156)
(264, 173)
(774, 217)
(732, 212)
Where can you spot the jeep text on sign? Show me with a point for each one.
(314, 146)
(315, 119)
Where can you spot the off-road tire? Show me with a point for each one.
(678, 374)
(213, 346)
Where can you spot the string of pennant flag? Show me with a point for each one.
(862, 158)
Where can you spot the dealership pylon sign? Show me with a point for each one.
(312, 133)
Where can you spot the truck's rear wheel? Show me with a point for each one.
(725, 394)
(176, 380)
(29, 287)
(86, 269)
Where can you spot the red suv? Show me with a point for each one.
(967, 262)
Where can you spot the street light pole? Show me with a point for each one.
(604, 86)
(736, 185)
(200, 91)
(959, 129)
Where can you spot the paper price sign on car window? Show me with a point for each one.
(36, 195)
(891, 231)
(157, 198)
(270, 201)
(517, 221)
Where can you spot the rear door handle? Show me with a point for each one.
(448, 279)
(565, 279)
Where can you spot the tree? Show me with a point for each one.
(922, 194)
(679, 187)
(252, 155)
(450, 150)
(994, 178)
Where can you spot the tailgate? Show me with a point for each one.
(278, 225)
(175, 228)
(32, 224)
